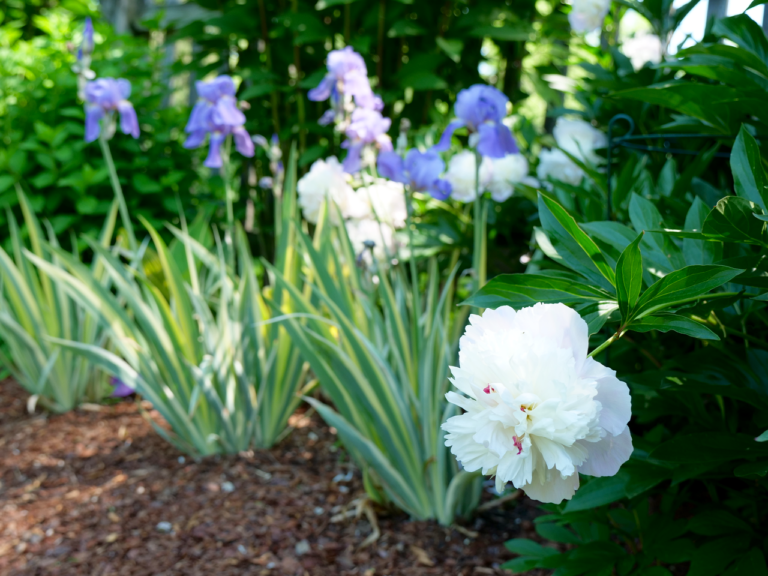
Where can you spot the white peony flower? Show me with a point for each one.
(368, 230)
(387, 199)
(554, 163)
(588, 15)
(580, 139)
(461, 175)
(326, 179)
(642, 49)
(537, 410)
(505, 173)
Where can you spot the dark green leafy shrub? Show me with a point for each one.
(673, 285)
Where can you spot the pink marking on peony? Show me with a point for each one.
(488, 389)
(518, 444)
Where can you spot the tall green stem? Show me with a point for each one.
(604, 345)
(479, 245)
(124, 215)
(228, 193)
(414, 274)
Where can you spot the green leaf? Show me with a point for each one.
(744, 32)
(752, 469)
(525, 547)
(714, 557)
(715, 106)
(145, 185)
(750, 179)
(699, 251)
(709, 447)
(645, 217)
(629, 277)
(520, 290)
(453, 47)
(550, 213)
(596, 314)
(656, 570)
(509, 32)
(599, 492)
(674, 322)
(717, 522)
(257, 90)
(682, 286)
(556, 533)
(732, 220)
(423, 81)
(406, 27)
(750, 564)
(370, 453)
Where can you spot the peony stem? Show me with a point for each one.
(124, 214)
(604, 345)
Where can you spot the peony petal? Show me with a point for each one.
(554, 490)
(606, 456)
(616, 404)
(555, 455)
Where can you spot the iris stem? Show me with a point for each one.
(124, 214)
(479, 245)
(414, 272)
(228, 194)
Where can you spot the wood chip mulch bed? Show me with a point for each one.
(98, 492)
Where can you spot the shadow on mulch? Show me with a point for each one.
(98, 492)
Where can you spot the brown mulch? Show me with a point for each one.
(98, 492)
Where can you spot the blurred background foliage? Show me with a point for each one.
(419, 55)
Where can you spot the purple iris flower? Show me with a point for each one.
(86, 48)
(420, 171)
(347, 74)
(216, 113)
(481, 109)
(103, 97)
(121, 389)
(367, 127)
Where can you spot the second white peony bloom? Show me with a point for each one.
(385, 201)
(461, 175)
(505, 173)
(643, 49)
(588, 15)
(581, 140)
(326, 179)
(537, 410)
